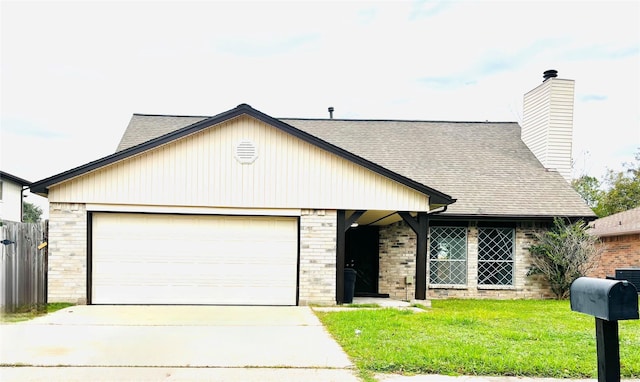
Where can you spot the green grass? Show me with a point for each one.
(28, 314)
(480, 337)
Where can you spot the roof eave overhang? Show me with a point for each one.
(618, 233)
(14, 179)
(42, 187)
(512, 217)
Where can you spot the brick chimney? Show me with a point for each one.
(547, 122)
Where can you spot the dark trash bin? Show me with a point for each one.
(349, 284)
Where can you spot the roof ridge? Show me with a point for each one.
(336, 119)
(172, 115)
(394, 120)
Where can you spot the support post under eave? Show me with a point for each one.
(419, 225)
(340, 255)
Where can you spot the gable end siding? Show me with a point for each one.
(201, 170)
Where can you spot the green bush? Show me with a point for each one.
(562, 254)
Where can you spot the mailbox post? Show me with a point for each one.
(608, 301)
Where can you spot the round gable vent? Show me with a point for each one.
(246, 152)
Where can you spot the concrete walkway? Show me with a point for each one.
(111, 374)
(173, 343)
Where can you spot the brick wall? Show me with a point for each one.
(67, 253)
(318, 257)
(68, 257)
(397, 260)
(618, 252)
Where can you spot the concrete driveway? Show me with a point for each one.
(159, 342)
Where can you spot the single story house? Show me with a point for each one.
(245, 208)
(11, 196)
(620, 237)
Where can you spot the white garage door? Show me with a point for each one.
(193, 259)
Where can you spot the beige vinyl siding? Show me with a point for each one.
(201, 170)
(547, 126)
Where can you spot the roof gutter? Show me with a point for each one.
(436, 212)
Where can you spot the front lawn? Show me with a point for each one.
(479, 337)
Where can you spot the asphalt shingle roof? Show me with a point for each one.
(144, 127)
(484, 165)
(622, 223)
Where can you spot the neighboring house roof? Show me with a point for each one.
(622, 223)
(142, 138)
(484, 165)
(14, 179)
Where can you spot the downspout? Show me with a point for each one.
(444, 209)
(24, 188)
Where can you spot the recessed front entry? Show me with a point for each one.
(193, 259)
(362, 252)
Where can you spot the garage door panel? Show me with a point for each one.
(158, 294)
(176, 259)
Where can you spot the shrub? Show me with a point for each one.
(562, 254)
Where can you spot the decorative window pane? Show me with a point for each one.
(495, 256)
(448, 255)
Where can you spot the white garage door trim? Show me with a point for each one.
(193, 259)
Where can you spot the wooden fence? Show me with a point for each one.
(23, 270)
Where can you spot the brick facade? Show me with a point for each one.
(317, 278)
(317, 267)
(621, 251)
(68, 256)
(67, 271)
(397, 261)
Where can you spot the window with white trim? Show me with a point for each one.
(448, 255)
(496, 252)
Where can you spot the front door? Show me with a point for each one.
(362, 251)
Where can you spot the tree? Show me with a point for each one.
(589, 188)
(621, 189)
(562, 254)
(623, 193)
(31, 213)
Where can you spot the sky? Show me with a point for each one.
(73, 73)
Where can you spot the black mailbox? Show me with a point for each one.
(610, 300)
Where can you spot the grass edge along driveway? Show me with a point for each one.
(535, 338)
(28, 314)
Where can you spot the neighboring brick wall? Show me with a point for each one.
(318, 257)
(397, 260)
(619, 252)
(67, 253)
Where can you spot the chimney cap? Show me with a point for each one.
(330, 112)
(551, 73)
